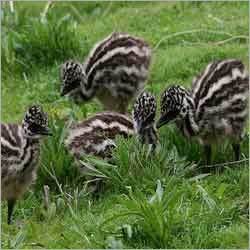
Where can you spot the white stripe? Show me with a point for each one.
(7, 144)
(20, 134)
(116, 124)
(10, 132)
(198, 84)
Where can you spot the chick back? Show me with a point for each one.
(96, 135)
(220, 95)
(119, 63)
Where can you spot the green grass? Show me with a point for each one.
(159, 201)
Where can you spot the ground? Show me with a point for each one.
(161, 201)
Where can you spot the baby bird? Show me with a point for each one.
(20, 154)
(144, 112)
(96, 135)
(115, 71)
(215, 108)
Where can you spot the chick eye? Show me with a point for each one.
(184, 110)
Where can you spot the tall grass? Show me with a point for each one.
(25, 48)
(176, 215)
(55, 158)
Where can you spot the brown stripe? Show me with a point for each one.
(8, 152)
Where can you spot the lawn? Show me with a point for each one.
(162, 201)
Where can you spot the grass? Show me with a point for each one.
(159, 201)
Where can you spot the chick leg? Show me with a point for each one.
(11, 204)
(236, 149)
(208, 153)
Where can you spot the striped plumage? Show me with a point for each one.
(96, 135)
(115, 71)
(20, 154)
(215, 108)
